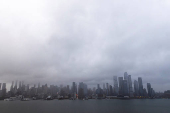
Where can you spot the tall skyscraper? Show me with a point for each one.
(98, 86)
(12, 86)
(125, 88)
(3, 89)
(149, 89)
(15, 87)
(136, 88)
(115, 82)
(107, 89)
(126, 78)
(140, 86)
(120, 85)
(19, 84)
(130, 86)
(74, 89)
(104, 86)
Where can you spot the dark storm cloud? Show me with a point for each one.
(57, 42)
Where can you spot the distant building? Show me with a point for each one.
(136, 88)
(120, 85)
(140, 86)
(115, 82)
(149, 89)
(125, 88)
(126, 78)
(130, 86)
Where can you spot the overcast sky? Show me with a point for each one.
(61, 41)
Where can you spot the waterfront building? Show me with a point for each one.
(125, 88)
(115, 82)
(140, 86)
(120, 85)
(126, 78)
(149, 89)
(136, 88)
(130, 86)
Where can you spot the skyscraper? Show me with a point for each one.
(126, 78)
(107, 89)
(115, 85)
(130, 86)
(3, 89)
(140, 86)
(136, 88)
(120, 85)
(125, 88)
(149, 89)
(74, 89)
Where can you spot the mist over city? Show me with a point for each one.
(64, 41)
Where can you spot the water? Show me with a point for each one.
(87, 106)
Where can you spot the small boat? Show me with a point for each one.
(25, 99)
(8, 99)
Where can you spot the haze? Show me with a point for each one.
(61, 41)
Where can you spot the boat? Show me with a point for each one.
(8, 99)
(25, 99)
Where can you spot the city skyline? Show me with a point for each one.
(63, 41)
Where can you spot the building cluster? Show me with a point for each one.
(122, 86)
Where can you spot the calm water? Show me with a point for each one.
(87, 106)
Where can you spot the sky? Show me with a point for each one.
(61, 41)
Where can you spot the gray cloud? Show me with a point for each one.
(58, 42)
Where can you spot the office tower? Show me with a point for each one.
(74, 89)
(110, 90)
(3, 89)
(98, 86)
(104, 86)
(115, 85)
(85, 89)
(130, 86)
(19, 84)
(125, 88)
(136, 88)
(149, 89)
(140, 86)
(0, 86)
(81, 90)
(144, 92)
(126, 78)
(120, 85)
(11, 89)
(107, 89)
(15, 87)
(27, 89)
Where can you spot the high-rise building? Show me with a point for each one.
(81, 90)
(140, 86)
(19, 84)
(126, 78)
(104, 86)
(120, 85)
(130, 86)
(74, 89)
(149, 89)
(98, 86)
(136, 88)
(3, 89)
(107, 89)
(115, 82)
(125, 88)
(110, 90)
